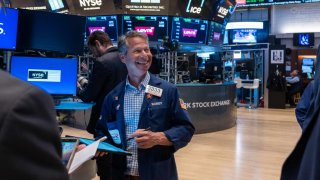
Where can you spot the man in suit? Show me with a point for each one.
(145, 116)
(107, 72)
(30, 145)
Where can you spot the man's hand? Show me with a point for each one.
(148, 139)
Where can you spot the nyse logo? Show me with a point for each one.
(223, 11)
(1, 29)
(85, 3)
(38, 75)
(194, 10)
(146, 30)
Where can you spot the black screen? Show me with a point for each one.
(188, 30)
(156, 27)
(216, 34)
(303, 39)
(108, 24)
(48, 31)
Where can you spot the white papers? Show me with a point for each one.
(84, 155)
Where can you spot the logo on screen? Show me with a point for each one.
(146, 30)
(92, 29)
(38, 75)
(85, 3)
(222, 12)
(216, 36)
(1, 29)
(303, 39)
(189, 32)
(44, 75)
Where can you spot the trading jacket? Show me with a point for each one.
(163, 114)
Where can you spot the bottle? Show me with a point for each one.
(247, 77)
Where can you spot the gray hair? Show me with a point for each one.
(123, 40)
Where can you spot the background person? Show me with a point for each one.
(107, 72)
(295, 86)
(30, 146)
(148, 110)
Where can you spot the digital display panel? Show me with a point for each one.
(8, 28)
(57, 5)
(216, 34)
(56, 76)
(307, 61)
(156, 27)
(188, 30)
(108, 24)
(244, 36)
(303, 39)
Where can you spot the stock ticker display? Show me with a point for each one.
(243, 3)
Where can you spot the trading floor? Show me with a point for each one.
(254, 149)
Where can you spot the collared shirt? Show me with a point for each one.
(293, 79)
(133, 99)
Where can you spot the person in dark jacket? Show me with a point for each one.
(107, 72)
(303, 105)
(144, 116)
(304, 161)
(30, 146)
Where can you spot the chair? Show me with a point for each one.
(251, 86)
(296, 97)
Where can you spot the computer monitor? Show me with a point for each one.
(108, 24)
(303, 39)
(213, 69)
(56, 76)
(8, 28)
(156, 27)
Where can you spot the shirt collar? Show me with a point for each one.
(141, 86)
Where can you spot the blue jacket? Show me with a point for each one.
(162, 114)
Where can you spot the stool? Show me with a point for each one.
(296, 98)
(238, 86)
(252, 86)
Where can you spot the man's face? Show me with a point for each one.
(138, 58)
(96, 50)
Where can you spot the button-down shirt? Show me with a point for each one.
(133, 99)
(292, 79)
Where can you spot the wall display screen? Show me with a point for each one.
(246, 3)
(108, 24)
(244, 36)
(188, 30)
(156, 27)
(303, 39)
(8, 28)
(57, 76)
(216, 34)
(223, 11)
(47, 31)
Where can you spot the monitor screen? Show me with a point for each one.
(213, 69)
(108, 24)
(57, 5)
(57, 76)
(307, 61)
(8, 28)
(303, 39)
(156, 27)
(216, 34)
(237, 54)
(307, 69)
(47, 31)
(188, 30)
(244, 36)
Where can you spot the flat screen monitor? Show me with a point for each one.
(188, 30)
(56, 76)
(307, 69)
(237, 54)
(307, 61)
(244, 36)
(213, 69)
(303, 39)
(108, 24)
(48, 31)
(8, 28)
(216, 34)
(156, 27)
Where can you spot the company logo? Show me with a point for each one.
(33, 74)
(216, 36)
(1, 29)
(92, 29)
(146, 30)
(222, 12)
(86, 3)
(194, 10)
(189, 32)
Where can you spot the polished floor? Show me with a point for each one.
(254, 149)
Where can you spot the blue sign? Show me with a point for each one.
(8, 28)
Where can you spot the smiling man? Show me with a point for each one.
(144, 116)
